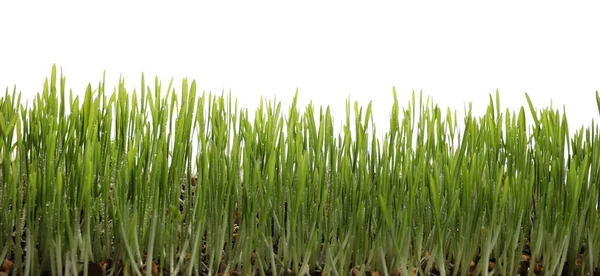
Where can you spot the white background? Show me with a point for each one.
(456, 52)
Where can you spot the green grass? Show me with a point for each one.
(100, 178)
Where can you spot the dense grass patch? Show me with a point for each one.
(159, 181)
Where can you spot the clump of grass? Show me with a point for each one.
(103, 183)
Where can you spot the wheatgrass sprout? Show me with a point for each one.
(168, 181)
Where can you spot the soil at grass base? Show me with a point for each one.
(105, 266)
